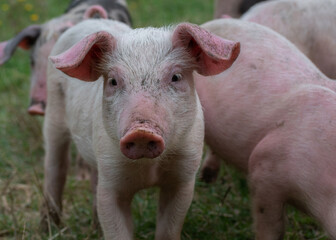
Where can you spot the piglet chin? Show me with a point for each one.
(142, 142)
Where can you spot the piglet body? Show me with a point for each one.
(128, 101)
(272, 115)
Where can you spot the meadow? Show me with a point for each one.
(218, 211)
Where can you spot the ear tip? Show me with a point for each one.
(54, 59)
(57, 62)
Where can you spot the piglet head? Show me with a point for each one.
(139, 137)
(50, 32)
(26, 39)
(150, 105)
(39, 39)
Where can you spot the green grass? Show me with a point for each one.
(218, 211)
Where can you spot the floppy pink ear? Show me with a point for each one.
(25, 39)
(82, 60)
(212, 53)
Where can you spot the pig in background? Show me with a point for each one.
(232, 8)
(272, 115)
(41, 38)
(309, 24)
(141, 123)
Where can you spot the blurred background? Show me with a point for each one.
(219, 211)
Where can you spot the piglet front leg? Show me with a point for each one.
(175, 200)
(114, 211)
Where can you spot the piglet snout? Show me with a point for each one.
(36, 109)
(141, 143)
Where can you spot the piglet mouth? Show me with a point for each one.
(142, 142)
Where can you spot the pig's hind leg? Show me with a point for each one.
(268, 210)
(320, 200)
(267, 186)
(57, 155)
(329, 220)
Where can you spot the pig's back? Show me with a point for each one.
(309, 24)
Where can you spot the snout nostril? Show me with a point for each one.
(130, 145)
(152, 145)
(142, 143)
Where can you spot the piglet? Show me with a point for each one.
(127, 99)
(308, 24)
(273, 116)
(41, 38)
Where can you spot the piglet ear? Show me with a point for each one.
(83, 60)
(95, 11)
(25, 39)
(212, 53)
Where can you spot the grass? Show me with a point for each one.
(218, 211)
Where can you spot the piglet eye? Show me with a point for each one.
(113, 82)
(176, 77)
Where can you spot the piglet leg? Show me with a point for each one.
(55, 170)
(94, 182)
(114, 211)
(268, 186)
(175, 200)
(268, 213)
(57, 145)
